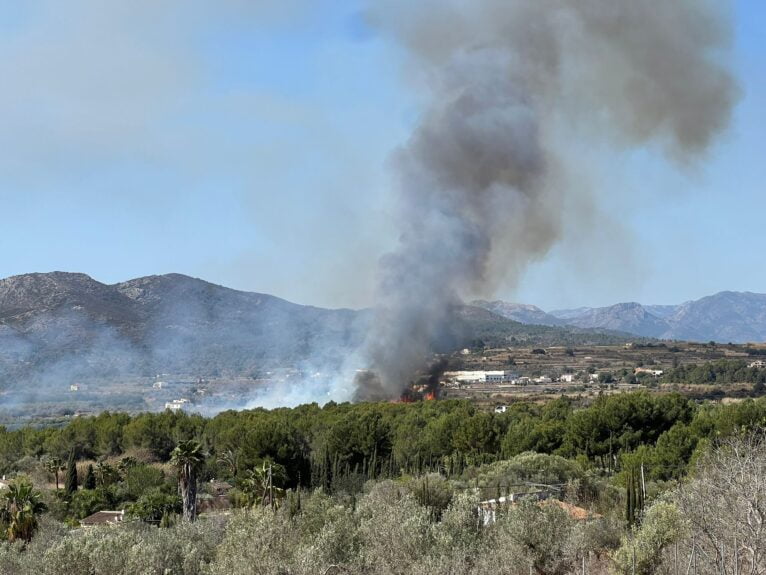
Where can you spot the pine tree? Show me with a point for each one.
(70, 483)
(90, 479)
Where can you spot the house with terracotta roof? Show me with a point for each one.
(103, 518)
(488, 509)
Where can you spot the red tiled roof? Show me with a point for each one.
(104, 518)
(575, 512)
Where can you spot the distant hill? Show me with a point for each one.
(628, 317)
(523, 313)
(726, 316)
(62, 323)
(737, 317)
(566, 314)
(61, 326)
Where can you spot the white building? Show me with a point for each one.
(760, 364)
(498, 376)
(177, 404)
(480, 376)
(501, 409)
(567, 377)
(466, 376)
(74, 387)
(654, 372)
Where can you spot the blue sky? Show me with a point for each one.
(247, 143)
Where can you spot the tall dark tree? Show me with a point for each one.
(187, 457)
(90, 479)
(70, 482)
(630, 499)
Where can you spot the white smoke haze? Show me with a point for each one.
(244, 349)
(318, 387)
(514, 89)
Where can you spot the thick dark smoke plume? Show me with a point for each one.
(515, 88)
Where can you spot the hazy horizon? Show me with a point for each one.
(303, 303)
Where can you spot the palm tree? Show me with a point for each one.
(230, 460)
(105, 474)
(125, 464)
(258, 485)
(54, 465)
(253, 486)
(187, 457)
(20, 509)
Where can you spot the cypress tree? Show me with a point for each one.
(373, 469)
(327, 471)
(70, 483)
(294, 503)
(90, 479)
(336, 471)
(630, 499)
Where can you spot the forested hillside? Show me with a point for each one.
(319, 445)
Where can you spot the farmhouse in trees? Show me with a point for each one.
(654, 372)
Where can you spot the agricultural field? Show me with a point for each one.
(608, 369)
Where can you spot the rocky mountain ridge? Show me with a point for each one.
(737, 317)
(60, 325)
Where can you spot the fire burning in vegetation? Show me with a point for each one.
(424, 388)
(417, 393)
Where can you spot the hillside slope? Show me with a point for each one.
(523, 313)
(61, 326)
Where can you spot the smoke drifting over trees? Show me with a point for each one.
(514, 89)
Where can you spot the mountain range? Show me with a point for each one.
(737, 317)
(62, 326)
